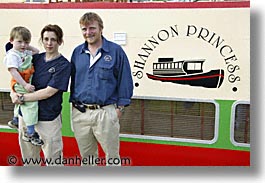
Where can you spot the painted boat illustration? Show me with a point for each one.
(187, 72)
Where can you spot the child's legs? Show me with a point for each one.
(16, 109)
(30, 129)
(29, 112)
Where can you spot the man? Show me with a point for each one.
(101, 86)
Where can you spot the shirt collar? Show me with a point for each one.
(105, 45)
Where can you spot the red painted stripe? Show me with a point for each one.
(181, 79)
(143, 154)
(108, 5)
(140, 154)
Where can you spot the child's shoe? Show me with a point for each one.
(13, 123)
(34, 139)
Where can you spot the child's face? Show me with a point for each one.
(19, 44)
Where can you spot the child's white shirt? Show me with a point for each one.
(13, 58)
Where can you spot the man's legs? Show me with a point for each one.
(100, 125)
(107, 133)
(82, 127)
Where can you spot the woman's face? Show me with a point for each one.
(50, 42)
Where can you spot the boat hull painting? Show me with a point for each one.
(211, 79)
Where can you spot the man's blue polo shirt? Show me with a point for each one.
(56, 74)
(107, 81)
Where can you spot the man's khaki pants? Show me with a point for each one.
(97, 126)
(50, 133)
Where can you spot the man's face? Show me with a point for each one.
(91, 32)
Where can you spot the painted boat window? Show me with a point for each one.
(241, 125)
(177, 119)
(36, 1)
(194, 66)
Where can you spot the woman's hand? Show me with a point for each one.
(15, 97)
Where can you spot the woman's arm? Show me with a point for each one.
(40, 94)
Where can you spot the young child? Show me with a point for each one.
(18, 60)
(14, 122)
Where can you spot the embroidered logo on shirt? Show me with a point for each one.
(51, 70)
(107, 58)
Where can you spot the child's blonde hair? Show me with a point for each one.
(22, 32)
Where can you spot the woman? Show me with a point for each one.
(51, 78)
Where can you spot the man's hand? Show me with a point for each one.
(120, 111)
(119, 114)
